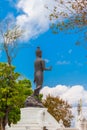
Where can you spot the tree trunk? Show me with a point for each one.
(2, 126)
(7, 54)
(4, 121)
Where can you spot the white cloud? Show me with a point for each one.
(78, 63)
(35, 19)
(71, 94)
(46, 60)
(63, 62)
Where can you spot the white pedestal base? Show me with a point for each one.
(34, 119)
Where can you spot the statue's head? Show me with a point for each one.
(38, 52)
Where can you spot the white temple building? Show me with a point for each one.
(81, 121)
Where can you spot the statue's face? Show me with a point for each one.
(40, 54)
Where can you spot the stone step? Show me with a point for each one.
(31, 126)
(24, 128)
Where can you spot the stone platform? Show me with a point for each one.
(35, 119)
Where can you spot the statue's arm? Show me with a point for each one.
(45, 68)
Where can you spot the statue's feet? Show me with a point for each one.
(33, 101)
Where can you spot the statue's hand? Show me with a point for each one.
(50, 68)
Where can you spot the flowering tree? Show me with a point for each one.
(59, 109)
(10, 33)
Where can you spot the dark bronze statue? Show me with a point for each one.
(39, 67)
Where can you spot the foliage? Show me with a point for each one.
(59, 109)
(24, 86)
(81, 9)
(69, 15)
(69, 12)
(12, 94)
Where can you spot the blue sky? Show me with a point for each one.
(59, 51)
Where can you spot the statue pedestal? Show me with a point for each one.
(35, 119)
(33, 101)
